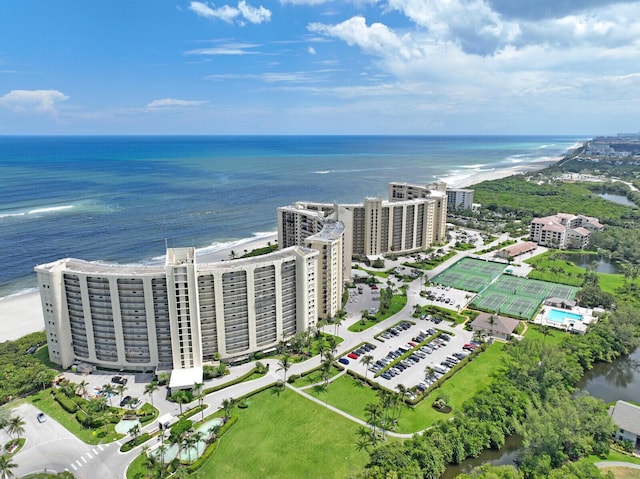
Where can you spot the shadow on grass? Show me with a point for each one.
(319, 388)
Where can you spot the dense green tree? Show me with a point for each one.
(487, 471)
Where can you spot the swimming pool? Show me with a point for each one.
(560, 316)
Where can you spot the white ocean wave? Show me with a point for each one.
(22, 292)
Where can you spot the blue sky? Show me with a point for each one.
(319, 67)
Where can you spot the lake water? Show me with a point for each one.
(587, 260)
(619, 199)
(617, 380)
(505, 456)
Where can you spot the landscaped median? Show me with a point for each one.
(91, 422)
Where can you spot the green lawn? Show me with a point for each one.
(286, 436)
(555, 336)
(48, 405)
(349, 395)
(314, 377)
(613, 456)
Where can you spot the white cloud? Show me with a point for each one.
(253, 14)
(304, 2)
(311, 50)
(33, 100)
(171, 102)
(377, 39)
(226, 49)
(228, 13)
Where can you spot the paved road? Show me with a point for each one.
(50, 446)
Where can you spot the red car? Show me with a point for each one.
(469, 347)
(412, 344)
(352, 356)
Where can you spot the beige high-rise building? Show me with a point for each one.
(373, 227)
(176, 316)
(434, 191)
(329, 244)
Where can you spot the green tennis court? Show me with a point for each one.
(499, 292)
(470, 274)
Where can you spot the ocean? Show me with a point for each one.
(120, 199)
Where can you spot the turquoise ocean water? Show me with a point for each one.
(118, 199)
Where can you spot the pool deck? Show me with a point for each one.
(577, 327)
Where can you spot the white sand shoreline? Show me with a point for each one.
(21, 314)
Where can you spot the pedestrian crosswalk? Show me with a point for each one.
(86, 457)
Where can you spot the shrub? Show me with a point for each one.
(66, 403)
(291, 379)
(127, 446)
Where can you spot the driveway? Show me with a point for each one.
(50, 447)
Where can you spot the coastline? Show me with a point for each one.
(21, 314)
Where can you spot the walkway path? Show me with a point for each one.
(617, 464)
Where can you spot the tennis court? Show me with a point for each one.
(503, 303)
(470, 274)
(520, 297)
(498, 292)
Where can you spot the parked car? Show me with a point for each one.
(125, 400)
(343, 361)
(119, 380)
(41, 417)
(352, 356)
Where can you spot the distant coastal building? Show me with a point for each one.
(459, 199)
(627, 417)
(564, 230)
(177, 316)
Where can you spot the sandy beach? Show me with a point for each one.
(21, 314)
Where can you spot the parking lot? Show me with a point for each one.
(395, 343)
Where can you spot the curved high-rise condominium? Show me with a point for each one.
(176, 316)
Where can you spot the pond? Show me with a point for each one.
(588, 260)
(503, 457)
(617, 380)
(619, 199)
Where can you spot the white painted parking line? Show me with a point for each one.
(100, 447)
(78, 463)
(83, 459)
(94, 451)
(74, 467)
(90, 456)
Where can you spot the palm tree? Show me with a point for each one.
(367, 359)
(81, 388)
(134, 431)
(120, 389)
(162, 449)
(372, 411)
(284, 364)
(227, 406)
(188, 443)
(337, 321)
(150, 388)
(16, 426)
(7, 467)
(181, 397)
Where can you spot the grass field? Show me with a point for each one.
(275, 435)
(398, 301)
(349, 395)
(554, 336)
